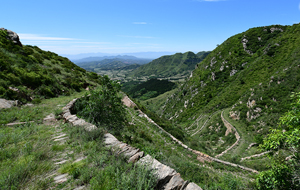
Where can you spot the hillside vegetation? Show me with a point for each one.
(249, 78)
(29, 73)
(180, 64)
(149, 89)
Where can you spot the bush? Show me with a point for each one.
(103, 106)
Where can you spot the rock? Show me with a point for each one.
(234, 115)
(175, 183)
(213, 76)
(135, 157)
(78, 122)
(273, 29)
(7, 103)
(29, 105)
(61, 178)
(192, 186)
(49, 119)
(110, 140)
(127, 102)
(184, 185)
(250, 104)
(164, 173)
(213, 61)
(12, 36)
(233, 72)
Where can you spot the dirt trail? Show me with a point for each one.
(200, 156)
(230, 128)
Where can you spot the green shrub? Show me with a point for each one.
(103, 106)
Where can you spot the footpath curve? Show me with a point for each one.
(230, 128)
(200, 156)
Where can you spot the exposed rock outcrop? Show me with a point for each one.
(13, 36)
(7, 103)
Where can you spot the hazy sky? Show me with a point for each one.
(124, 26)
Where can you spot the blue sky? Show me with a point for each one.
(124, 26)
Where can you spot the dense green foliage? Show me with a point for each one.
(28, 73)
(103, 106)
(248, 78)
(285, 168)
(149, 89)
(168, 66)
(265, 72)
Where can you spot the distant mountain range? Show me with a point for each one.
(146, 55)
(111, 62)
(95, 59)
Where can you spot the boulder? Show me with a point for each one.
(164, 173)
(175, 183)
(7, 103)
(136, 157)
(192, 186)
(12, 36)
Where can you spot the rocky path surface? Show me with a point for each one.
(62, 157)
(255, 156)
(230, 129)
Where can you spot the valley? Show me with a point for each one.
(225, 119)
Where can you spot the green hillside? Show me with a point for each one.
(248, 79)
(28, 73)
(149, 89)
(264, 69)
(168, 66)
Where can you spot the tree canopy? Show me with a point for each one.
(284, 172)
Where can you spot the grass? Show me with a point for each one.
(28, 153)
(27, 150)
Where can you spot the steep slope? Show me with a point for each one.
(27, 72)
(167, 66)
(149, 89)
(250, 76)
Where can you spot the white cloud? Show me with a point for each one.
(37, 37)
(139, 23)
(147, 37)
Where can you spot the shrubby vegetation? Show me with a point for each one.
(284, 141)
(28, 73)
(103, 106)
(149, 89)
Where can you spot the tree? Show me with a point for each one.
(284, 172)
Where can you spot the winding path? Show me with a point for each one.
(200, 156)
(209, 117)
(230, 128)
